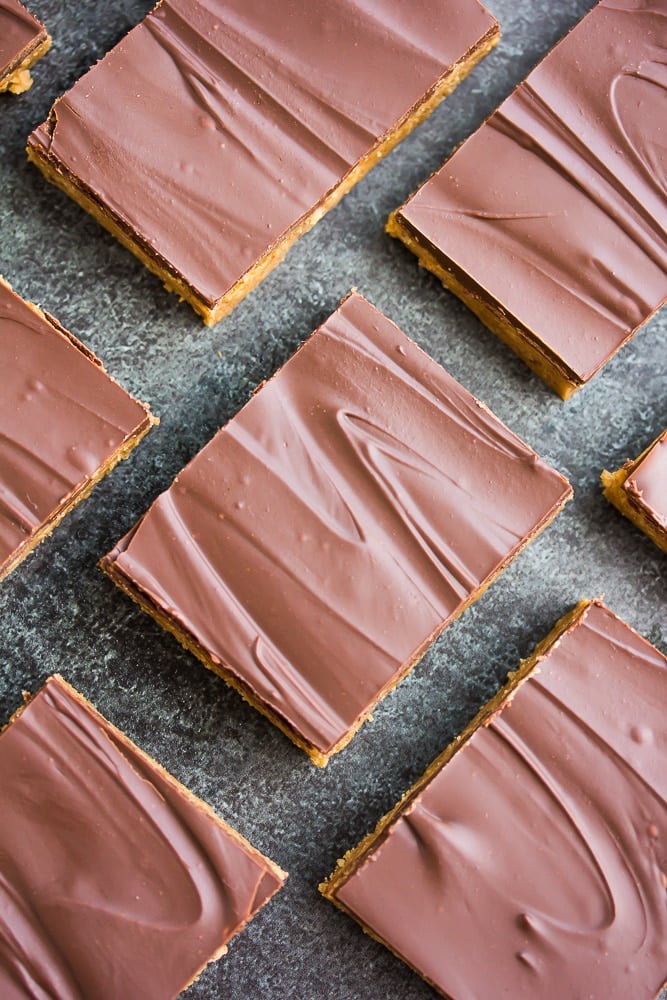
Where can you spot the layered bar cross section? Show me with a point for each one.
(218, 131)
(115, 880)
(354, 507)
(530, 861)
(550, 222)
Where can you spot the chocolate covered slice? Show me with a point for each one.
(639, 490)
(64, 423)
(115, 881)
(218, 131)
(530, 861)
(23, 40)
(354, 507)
(550, 221)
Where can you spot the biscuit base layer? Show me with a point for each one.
(317, 756)
(353, 858)
(17, 79)
(557, 376)
(213, 312)
(612, 488)
(84, 490)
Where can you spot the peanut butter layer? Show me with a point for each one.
(530, 861)
(218, 131)
(353, 508)
(23, 40)
(116, 882)
(639, 490)
(549, 221)
(64, 423)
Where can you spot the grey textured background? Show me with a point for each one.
(58, 612)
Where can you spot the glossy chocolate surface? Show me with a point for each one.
(61, 419)
(646, 486)
(534, 863)
(114, 881)
(215, 125)
(556, 208)
(338, 522)
(19, 30)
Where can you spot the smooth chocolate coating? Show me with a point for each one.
(534, 863)
(215, 125)
(646, 486)
(61, 418)
(19, 30)
(555, 209)
(340, 520)
(114, 880)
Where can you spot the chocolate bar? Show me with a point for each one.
(115, 880)
(64, 423)
(531, 858)
(218, 131)
(354, 507)
(549, 221)
(639, 490)
(23, 40)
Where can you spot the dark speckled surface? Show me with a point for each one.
(58, 612)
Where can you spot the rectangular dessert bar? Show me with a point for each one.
(549, 221)
(354, 507)
(23, 40)
(116, 881)
(639, 490)
(219, 131)
(64, 423)
(531, 858)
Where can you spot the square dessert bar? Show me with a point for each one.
(116, 881)
(64, 423)
(355, 506)
(639, 490)
(23, 40)
(531, 858)
(219, 131)
(549, 221)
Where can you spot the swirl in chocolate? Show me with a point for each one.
(337, 523)
(534, 863)
(114, 881)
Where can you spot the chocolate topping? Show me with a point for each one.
(533, 864)
(19, 30)
(337, 523)
(114, 880)
(216, 125)
(646, 486)
(61, 418)
(555, 208)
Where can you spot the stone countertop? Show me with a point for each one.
(59, 613)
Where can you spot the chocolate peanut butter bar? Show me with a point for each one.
(531, 859)
(115, 881)
(64, 423)
(354, 507)
(219, 131)
(550, 221)
(639, 490)
(23, 40)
